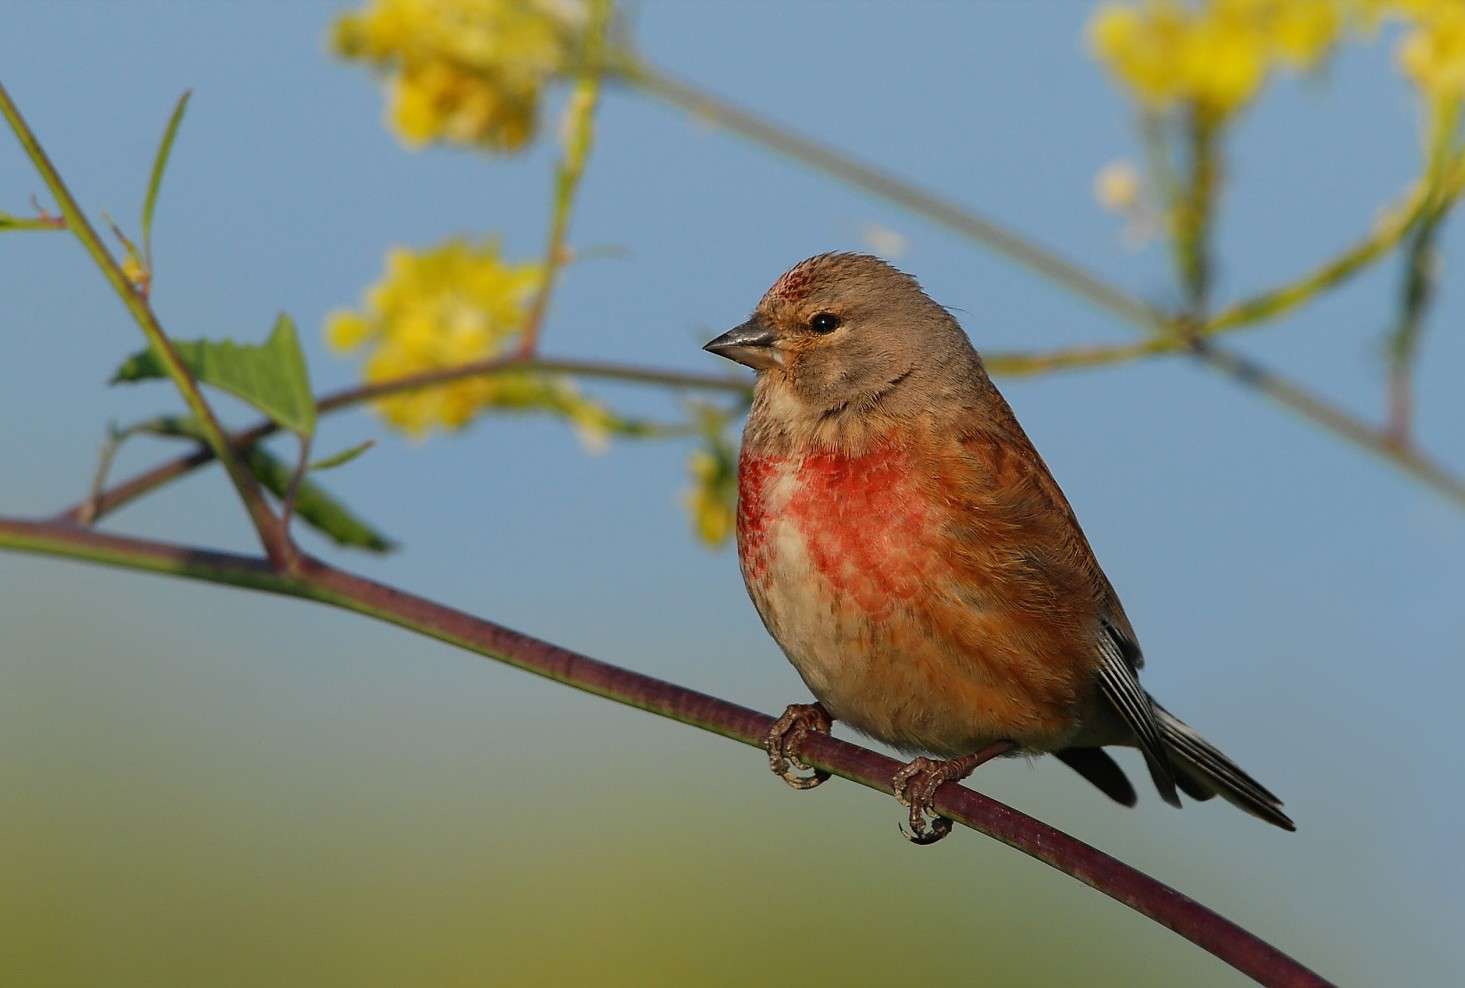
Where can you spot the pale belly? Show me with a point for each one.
(843, 559)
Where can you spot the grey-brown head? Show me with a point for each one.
(848, 330)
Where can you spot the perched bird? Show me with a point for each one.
(917, 563)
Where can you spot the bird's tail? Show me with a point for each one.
(1202, 771)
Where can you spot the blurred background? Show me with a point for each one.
(208, 786)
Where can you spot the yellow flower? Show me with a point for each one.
(1139, 47)
(136, 271)
(712, 499)
(464, 71)
(1212, 56)
(1432, 55)
(346, 330)
(1117, 187)
(1304, 30)
(455, 304)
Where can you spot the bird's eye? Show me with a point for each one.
(824, 322)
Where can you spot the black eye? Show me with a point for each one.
(824, 322)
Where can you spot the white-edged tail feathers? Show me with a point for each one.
(1203, 771)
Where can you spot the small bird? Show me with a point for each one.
(909, 551)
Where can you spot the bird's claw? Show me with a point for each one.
(915, 786)
(784, 738)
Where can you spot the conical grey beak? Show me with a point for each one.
(751, 344)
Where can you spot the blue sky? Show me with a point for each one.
(1299, 602)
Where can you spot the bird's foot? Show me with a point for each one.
(916, 783)
(783, 741)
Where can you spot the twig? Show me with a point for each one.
(105, 502)
(86, 512)
(267, 525)
(317, 581)
(1325, 413)
(1419, 286)
(302, 464)
(879, 183)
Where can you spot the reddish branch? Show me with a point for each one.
(316, 580)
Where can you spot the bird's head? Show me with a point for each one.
(845, 331)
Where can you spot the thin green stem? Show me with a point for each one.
(302, 464)
(1399, 221)
(1014, 363)
(271, 534)
(319, 582)
(1153, 133)
(8, 222)
(1193, 209)
(86, 512)
(1421, 263)
(1330, 274)
(579, 138)
(1421, 266)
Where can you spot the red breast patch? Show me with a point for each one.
(861, 520)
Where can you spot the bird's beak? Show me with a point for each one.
(751, 344)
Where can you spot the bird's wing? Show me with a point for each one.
(1021, 489)
(1022, 505)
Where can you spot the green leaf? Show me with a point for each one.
(314, 505)
(271, 376)
(155, 181)
(343, 457)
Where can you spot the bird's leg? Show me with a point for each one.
(915, 786)
(783, 741)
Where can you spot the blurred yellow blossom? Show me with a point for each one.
(1117, 187)
(1304, 30)
(464, 71)
(1120, 188)
(1432, 55)
(1212, 55)
(712, 499)
(136, 272)
(455, 304)
(1215, 54)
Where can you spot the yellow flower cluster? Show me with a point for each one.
(1432, 54)
(712, 499)
(464, 71)
(445, 307)
(1213, 55)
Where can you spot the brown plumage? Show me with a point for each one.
(908, 549)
